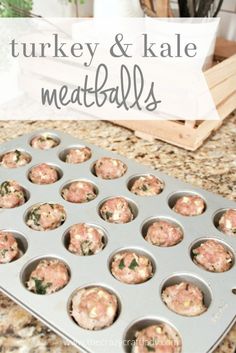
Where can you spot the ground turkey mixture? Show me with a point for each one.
(44, 142)
(109, 168)
(48, 277)
(78, 155)
(184, 299)
(79, 192)
(15, 159)
(131, 268)
(46, 217)
(43, 174)
(213, 256)
(164, 233)
(189, 205)
(227, 222)
(94, 308)
(9, 250)
(85, 239)
(116, 210)
(11, 194)
(147, 185)
(159, 338)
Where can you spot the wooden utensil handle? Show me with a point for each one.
(163, 8)
(148, 8)
(157, 8)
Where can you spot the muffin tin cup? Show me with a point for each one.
(141, 303)
(55, 167)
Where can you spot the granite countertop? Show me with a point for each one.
(212, 167)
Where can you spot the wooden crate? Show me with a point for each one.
(221, 79)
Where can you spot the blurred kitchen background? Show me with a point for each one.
(61, 8)
(89, 8)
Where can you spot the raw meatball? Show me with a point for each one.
(184, 299)
(15, 159)
(190, 205)
(44, 142)
(11, 194)
(86, 240)
(213, 256)
(147, 186)
(94, 308)
(163, 233)
(227, 222)
(78, 155)
(79, 192)
(109, 168)
(43, 174)
(131, 268)
(46, 217)
(160, 338)
(48, 277)
(116, 210)
(8, 247)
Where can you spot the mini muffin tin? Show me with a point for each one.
(139, 305)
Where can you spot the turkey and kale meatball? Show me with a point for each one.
(190, 205)
(158, 338)
(184, 299)
(116, 210)
(43, 174)
(147, 185)
(131, 268)
(48, 277)
(78, 155)
(212, 256)
(44, 142)
(109, 168)
(227, 222)
(164, 234)
(46, 217)
(85, 240)
(9, 250)
(15, 159)
(94, 308)
(11, 194)
(79, 192)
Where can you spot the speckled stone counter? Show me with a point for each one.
(212, 167)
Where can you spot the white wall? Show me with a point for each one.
(61, 8)
(228, 25)
(228, 20)
(51, 8)
(229, 5)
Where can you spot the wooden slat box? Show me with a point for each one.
(221, 79)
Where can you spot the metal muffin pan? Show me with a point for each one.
(138, 304)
